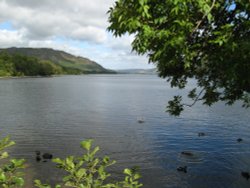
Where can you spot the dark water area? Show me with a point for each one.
(55, 114)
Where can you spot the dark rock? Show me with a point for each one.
(182, 169)
(38, 152)
(187, 153)
(47, 156)
(245, 175)
(239, 140)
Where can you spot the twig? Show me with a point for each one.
(202, 19)
(196, 99)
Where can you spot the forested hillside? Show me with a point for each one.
(45, 61)
(19, 65)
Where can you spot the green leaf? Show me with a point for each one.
(94, 151)
(127, 171)
(209, 17)
(137, 176)
(40, 185)
(80, 173)
(18, 162)
(86, 144)
(2, 177)
(70, 162)
(141, 2)
(57, 160)
(19, 181)
(4, 155)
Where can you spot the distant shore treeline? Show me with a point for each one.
(20, 65)
(45, 62)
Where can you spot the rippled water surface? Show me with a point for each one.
(55, 114)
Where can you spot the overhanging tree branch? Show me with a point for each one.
(196, 99)
(203, 18)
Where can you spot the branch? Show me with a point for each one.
(196, 99)
(202, 19)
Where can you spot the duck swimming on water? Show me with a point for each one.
(47, 156)
(38, 158)
(187, 153)
(182, 169)
(201, 134)
(245, 175)
(239, 140)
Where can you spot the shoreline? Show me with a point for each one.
(52, 76)
(20, 77)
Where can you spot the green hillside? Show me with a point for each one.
(69, 64)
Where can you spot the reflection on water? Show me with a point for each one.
(190, 157)
(54, 114)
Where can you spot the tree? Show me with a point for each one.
(46, 68)
(205, 40)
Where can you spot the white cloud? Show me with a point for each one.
(121, 43)
(39, 23)
(11, 38)
(89, 33)
(71, 18)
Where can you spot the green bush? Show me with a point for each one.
(10, 175)
(86, 171)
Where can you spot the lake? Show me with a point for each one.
(55, 114)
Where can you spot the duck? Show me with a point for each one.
(239, 140)
(38, 158)
(47, 156)
(182, 169)
(187, 153)
(140, 121)
(201, 134)
(245, 175)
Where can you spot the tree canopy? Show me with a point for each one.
(20, 65)
(205, 40)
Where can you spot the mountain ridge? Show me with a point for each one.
(70, 63)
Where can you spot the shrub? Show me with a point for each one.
(10, 174)
(86, 171)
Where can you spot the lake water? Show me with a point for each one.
(55, 114)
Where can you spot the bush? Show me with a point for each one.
(10, 175)
(86, 171)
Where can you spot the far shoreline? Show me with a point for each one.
(17, 77)
(50, 76)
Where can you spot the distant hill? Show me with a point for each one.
(70, 64)
(137, 71)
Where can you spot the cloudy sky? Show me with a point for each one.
(75, 26)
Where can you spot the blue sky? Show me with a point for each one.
(75, 26)
(6, 26)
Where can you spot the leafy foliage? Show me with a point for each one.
(88, 171)
(10, 175)
(19, 65)
(206, 40)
